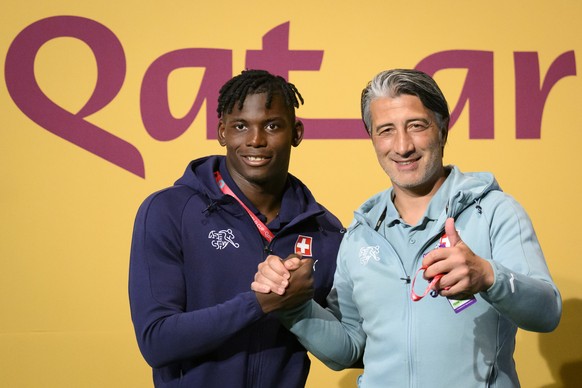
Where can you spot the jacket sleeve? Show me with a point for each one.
(334, 334)
(165, 332)
(523, 290)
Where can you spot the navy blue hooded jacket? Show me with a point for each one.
(194, 255)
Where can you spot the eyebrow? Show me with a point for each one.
(391, 124)
(268, 119)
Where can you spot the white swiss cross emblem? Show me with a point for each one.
(303, 245)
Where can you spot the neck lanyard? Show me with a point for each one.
(262, 228)
(381, 219)
(430, 288)
(443, 243)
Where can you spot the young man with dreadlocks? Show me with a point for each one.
(197, 244)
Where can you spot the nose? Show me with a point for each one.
(256, 137)
(403, 144)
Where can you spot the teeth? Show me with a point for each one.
(255, 158)
(404, 163)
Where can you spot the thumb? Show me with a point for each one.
(451, 232)
(292, 263)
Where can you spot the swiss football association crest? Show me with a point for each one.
(222, 239)
(369, 253)
(304, 246)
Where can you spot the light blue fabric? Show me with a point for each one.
(425, 343)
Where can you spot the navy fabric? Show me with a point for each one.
(193, 257)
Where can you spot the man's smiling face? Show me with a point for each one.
(258, 139)
(408, 143)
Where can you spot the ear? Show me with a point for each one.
(220, 133)
(297, 133)
(443, 136)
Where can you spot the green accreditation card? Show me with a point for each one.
(460, 305)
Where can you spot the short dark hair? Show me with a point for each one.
(256, 82)
(393, 83)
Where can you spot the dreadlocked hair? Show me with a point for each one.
(255, 82)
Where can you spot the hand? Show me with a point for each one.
(298, 291)
(273, 274)
(464, 273)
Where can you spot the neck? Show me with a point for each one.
(265, 197)
(412, 203)
(411, 208)
(268, 203)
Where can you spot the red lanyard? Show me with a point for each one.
(443, 243)
(413, 295)
(263, 230)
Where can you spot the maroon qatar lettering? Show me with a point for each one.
(27, 95)
(531, 93)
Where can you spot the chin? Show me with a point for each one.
(258, 179)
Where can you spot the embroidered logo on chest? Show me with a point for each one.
(222, 239)
(368, 253)
(304, 245)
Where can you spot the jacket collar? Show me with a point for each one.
(459, 191)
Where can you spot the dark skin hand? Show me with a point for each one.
(299, 291)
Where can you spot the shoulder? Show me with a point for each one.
(329, 220)
(505, 217)
(169, 201)
(326, 219)
(501, 203)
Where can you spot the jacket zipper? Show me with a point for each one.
(407, 280)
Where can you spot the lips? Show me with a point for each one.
(256, 160)
(406, 162)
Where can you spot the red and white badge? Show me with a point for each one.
(303, 245)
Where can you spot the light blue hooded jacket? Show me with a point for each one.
(425, 343)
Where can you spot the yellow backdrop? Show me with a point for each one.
(67, 206)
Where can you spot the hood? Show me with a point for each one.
(464, 189)
(459, 191)
(199, 176)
